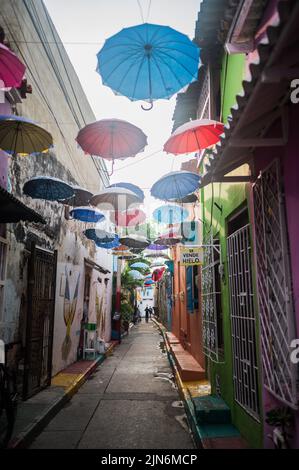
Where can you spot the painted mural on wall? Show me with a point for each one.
(69, 311)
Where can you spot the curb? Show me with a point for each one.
(25, 438)
(186, 400)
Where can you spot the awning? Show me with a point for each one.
(263, 100)
(12, 210)
(91, 264)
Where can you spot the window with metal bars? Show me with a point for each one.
(274, 285)
(242, 312)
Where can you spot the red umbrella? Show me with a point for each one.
(194, 136)
(158, 273)
(12, 70)
(129, 218)
(112, 139)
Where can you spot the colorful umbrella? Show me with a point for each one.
(48, 188)
(139, 265)
(194, 136)
(154, 247)
(189, 199)
(158, 273)
(12, 70)
(135, 241)
(130, 218)
(136, 275)
(131, 187)
(87, 214)
(170, 214)
(121, 247)
(168, 239)
(148, 62)
(149, 282)
(176, 184)
(112, 139)
(21, 136)
(109, 245)
(81, 197)
(118, 199)
(156, 255)
(99, 236)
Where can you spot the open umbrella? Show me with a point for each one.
(136, 275)
(121, 247)
(176, 184)
(48, 188)
(139, 265)
(118, 199)
(12, 70)
(194, 136)
(129, 218)
(136, 251)
(112, 139)
(154, 247)
(87, 214)
(135, 241)
(81, 197)
(170, 214)
(99, 236)
(148, 62)
(168, 239)
(189, 199)
(108, 245)
(149, 282)
(158, 273)
(131, 187)
(19, 135)
(156, 255)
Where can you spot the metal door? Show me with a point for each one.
(40, 320)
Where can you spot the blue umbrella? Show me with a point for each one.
(136, 274)
(154, 247)
(109, 245)
(148, 62)
(99, 236)
(170, 214)
(87, 214)
(175, 185)
(149, 282)
(48, 188)
(139, 265)
(131, 187)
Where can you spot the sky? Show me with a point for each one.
(83, 26)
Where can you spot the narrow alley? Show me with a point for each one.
(130, 396)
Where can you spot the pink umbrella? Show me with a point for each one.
(194, 136)
(12, 70)
(129, 218)
(112, 139)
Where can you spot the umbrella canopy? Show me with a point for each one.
(139, 265)
(112, 139)
(136, 275)
(149, 282)
(194, 136)
(156, 255)
(12, 70)
(87, 214)
(176, 184)
(170, 214)
(99, 236)
(189, 199)
(48, 188)
(109, 245)
(124, 256)
(168, 239)
(118, 199)
(135, 241)
(121, 248)
(136, 251)
(131, 187)
(81, 197)
(158, 273)
(148, 62)
(21, 136)
(154, 247)
(130, 218)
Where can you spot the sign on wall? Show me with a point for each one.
(191, 256)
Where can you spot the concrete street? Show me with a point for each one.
(130, 402)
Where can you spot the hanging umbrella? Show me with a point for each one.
(122, 247)
(99, 236)
(176, 184)
(129, 218)
(81, 197)
(109, 245)
(136, 251)
(112, 139)
(139, 265)
(131, 187)
(156, 255)
(136, 275)
(154, 247)
(194, 136)
(189, 199)
(158, 273)
(149, 282)
(19, 135)
(168, 239)
(170, 214)
(118, 199)
(135, 241)
(48, 188)
(87, 214)
(148, 62)
(124, 256)
(12, 70)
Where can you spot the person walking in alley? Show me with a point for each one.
(147, 311)
(150, 312)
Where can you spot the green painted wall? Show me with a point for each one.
(230, 197)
